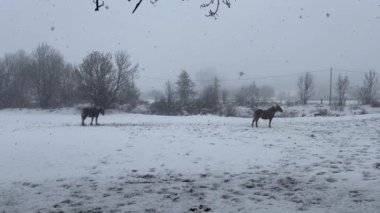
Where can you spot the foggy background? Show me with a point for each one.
(270, 41)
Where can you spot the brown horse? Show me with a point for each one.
(266, 114)
(92, 112)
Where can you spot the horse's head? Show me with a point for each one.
(278, 108)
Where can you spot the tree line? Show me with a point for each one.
(44, 79)
(181, 97)
(367, 93)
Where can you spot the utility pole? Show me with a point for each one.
(330, 86)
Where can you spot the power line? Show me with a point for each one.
(352, 71)
(285, 75)
(260, 77)
(241, 79)
(154, 78)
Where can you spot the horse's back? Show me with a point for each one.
(264, 114)
(89, 111)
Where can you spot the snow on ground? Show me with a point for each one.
(144, 163)
(312, 110)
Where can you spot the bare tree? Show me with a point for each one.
(130, 94)
(48, 65)
(15, 78)
(370, 88)
(305, 87)
(104, 83)
(125, 90)
(69, 86)
(97, 78)
(341, 89)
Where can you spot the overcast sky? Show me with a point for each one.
(258, 37)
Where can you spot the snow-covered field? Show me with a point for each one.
(143, 163)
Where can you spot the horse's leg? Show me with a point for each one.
(96, 120)
(253, 120)
(92, 119)
(257, 120)
(270, 121)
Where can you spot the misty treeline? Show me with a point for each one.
(44, 79)
(367, 93)
(182, 97)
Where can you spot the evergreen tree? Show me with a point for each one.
(185, 88)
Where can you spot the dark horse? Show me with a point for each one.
(266, 114)
(92, 112)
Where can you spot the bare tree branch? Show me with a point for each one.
(211, 12)
(98, 5)
(137, 5)
(214, 13)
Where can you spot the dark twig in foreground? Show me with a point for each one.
(98, 5)
(137, 5)
(211, 12)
